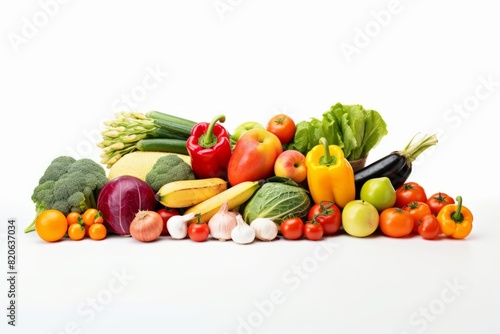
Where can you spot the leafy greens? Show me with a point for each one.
(355, 129)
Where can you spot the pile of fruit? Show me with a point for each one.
(172, 178)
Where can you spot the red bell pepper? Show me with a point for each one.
(210, 149)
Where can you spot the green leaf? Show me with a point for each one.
(375, 129)
(351, 127)
(301, 138)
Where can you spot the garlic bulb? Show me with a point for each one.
(177, 226)
(265, 229)
(242, 233)
(222, 223)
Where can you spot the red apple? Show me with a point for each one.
(253, 156)
(291, 164)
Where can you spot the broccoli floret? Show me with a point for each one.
(167, 169)
(58, 167)
(68, 186)
(43, 195)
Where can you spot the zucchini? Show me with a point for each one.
(162, 133)
(162, 145)
(156, 115)
(174, 128)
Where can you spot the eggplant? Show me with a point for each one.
(400, 178)
(397, 165)
(388, 166)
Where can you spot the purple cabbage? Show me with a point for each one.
(120, 199)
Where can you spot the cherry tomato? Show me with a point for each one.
(313, 231)
(292, 228)
(73, 218)
(328, 214)
(91, 216)
(410, 192)
(76, 231)
(283, 127)
(395, 222)
(165, 215)
(198, 231)
(429, 228)
(51, 225)
(97, 231)
(438, 200)
(98, 219)
(417, 210)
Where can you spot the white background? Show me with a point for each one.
(66, 67)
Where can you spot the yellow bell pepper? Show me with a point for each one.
(455, 220)
(330, 176)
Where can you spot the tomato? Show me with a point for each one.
(328, 214)
(292, 228)
(165, 215)
(97, 231)
(91, 216)
(198, 231)
(410, 192)
(395, 222)
(51, 225)
(73, 218)
(429, 228)
(76, 231)
(438, 200)
(417, 210)
(313, 231)
(283, 127)
(98, 219)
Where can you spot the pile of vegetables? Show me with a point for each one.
(172, 177)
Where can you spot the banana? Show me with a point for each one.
(186, 193)
(234, 196)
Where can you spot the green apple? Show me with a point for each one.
(359, 218)
(244, 127)
(379, 192)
